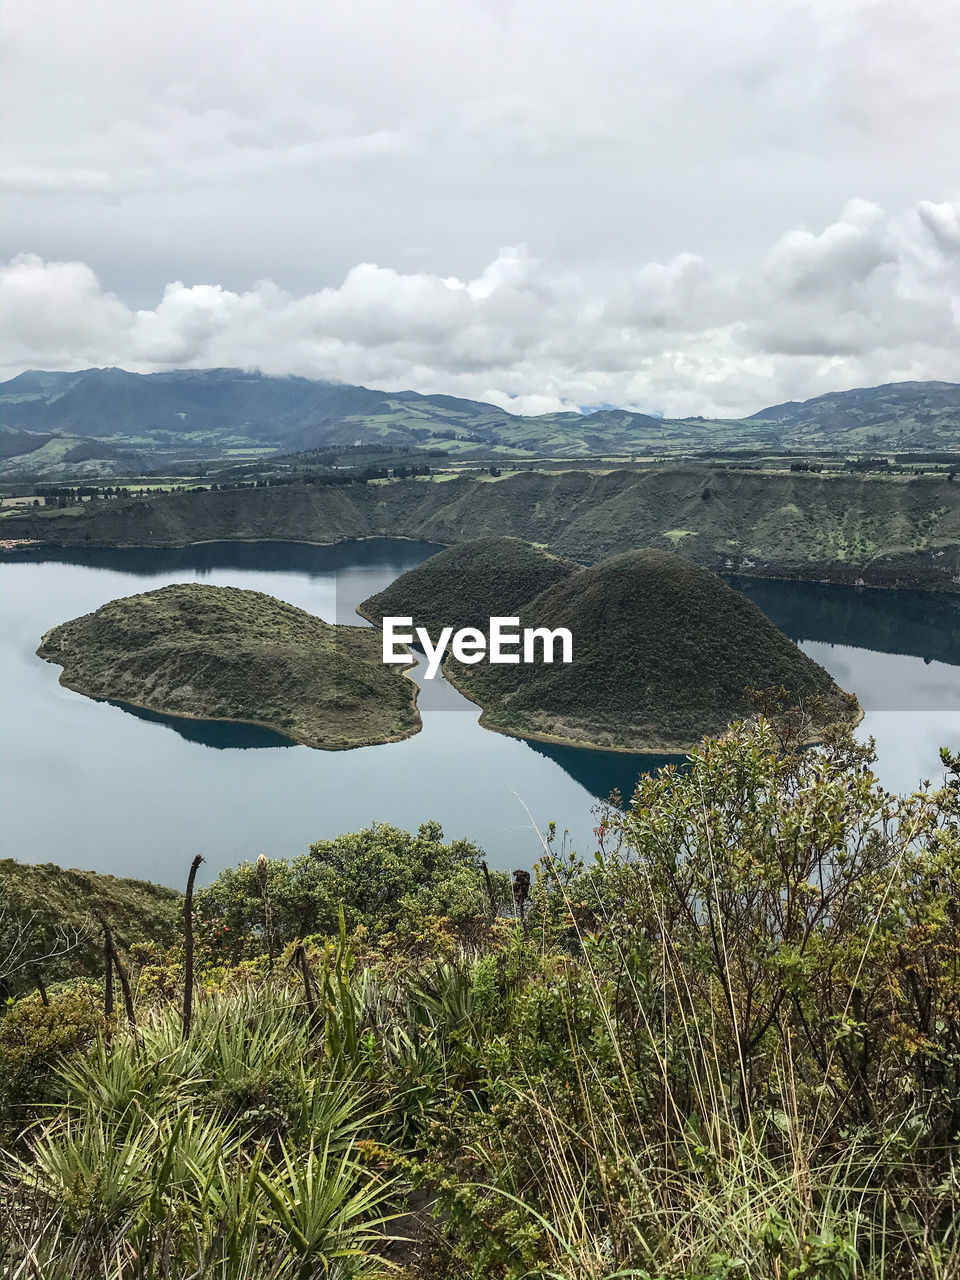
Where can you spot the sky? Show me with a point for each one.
(693, 207)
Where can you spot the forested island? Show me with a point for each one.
(222, 653)
(468, 584)
(664, 651)
(664, 654)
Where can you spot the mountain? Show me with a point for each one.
(641, 623)
(165, 419)
(229, 407)
(223, 653)
(45, 456)
(900, 414)
(466, 585)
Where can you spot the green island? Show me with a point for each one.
(222, 653)
(468, 584)
(728, 1048)
(641, 622)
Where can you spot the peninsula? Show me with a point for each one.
(222, 653)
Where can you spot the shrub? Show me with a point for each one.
(383, 879)
(34, 1037)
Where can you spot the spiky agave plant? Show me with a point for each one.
(142, 1173)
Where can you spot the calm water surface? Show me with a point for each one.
(95, 785)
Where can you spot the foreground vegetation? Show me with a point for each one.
(728, 1047)
(51, 921)
(222, 653)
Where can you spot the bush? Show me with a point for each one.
(34, 1037)
(383, 879)
(728, 1048)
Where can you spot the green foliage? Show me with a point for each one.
(144, 1164)
(222, 653)
(383, 879)
(34, 1037)
(50, 921)
(725, 1049)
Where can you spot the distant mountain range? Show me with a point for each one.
(103, 422)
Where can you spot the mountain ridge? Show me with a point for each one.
(852, 529)
(204, 413)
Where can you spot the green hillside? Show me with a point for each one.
(467, 585)
(642, 623)
(900, 415)
(61, 910)
(222, 653)
(725, 1049)
(168, 418)
(845, 528)
(41, 456)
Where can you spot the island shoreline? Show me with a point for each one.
(949, 591)
(557, 740)
(282, 732)
(680, 752)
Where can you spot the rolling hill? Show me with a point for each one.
(900, 415)
(466, 585)
(162, 419)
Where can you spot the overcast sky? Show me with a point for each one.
(684, 206)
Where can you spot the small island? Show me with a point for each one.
(222, 653)
(663, 650)
(468, 584)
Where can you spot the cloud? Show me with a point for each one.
(223, 140)
(868, 298)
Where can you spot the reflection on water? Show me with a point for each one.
(204, 558)
(921, 624)
(219, 734)
(602, 772)
(87, 784)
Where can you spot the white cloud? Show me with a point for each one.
(866, 299)
(226, 140)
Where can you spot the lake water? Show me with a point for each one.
(94, 785)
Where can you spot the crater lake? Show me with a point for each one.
(96, 785)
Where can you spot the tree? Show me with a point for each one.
(382, 878)
(29, 942)
(813, 917)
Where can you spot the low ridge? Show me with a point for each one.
(222, 653)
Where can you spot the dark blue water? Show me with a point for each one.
(100, 786)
